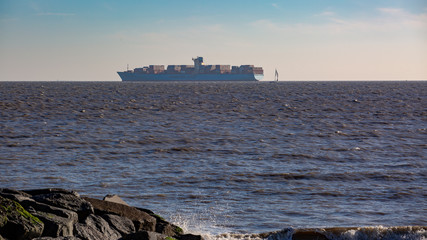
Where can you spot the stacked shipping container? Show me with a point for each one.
(202, 69)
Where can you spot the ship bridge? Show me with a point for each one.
(198, 61)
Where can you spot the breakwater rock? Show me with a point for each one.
(60, 214)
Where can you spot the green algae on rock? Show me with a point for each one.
(16, 222)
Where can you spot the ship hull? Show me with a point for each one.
(136, 77)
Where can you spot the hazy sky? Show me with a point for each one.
(304, 39)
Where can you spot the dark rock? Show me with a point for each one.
(58, 221)
(121, 224)
(102, 225)
(168, 229)
(84, 231)
(57, 226)
(57, 238)
(115, 198)
(298, 234)
(58, 214)
(278, 235)
(68, 201)
(162, 226)
(149, 212)
(16, 222)
(14, 195)
(189, 237)
(50, 190)
(94, 228)
(146, 235)
(141, 220)
(308, 235)
(32, 206)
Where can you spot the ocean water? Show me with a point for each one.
(226, 158)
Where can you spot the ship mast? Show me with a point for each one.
(276, 75)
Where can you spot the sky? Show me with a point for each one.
(80, 40)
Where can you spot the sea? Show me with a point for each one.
(229, 160)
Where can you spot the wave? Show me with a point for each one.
(339, 233)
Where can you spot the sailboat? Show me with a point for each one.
(276, 75)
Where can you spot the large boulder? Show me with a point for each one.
(167, 228)
(102, 226)
(146, 235)
(57, 226)
(121, 224)
(63, 199)
(42, 207)
(14, 195)
(58, 221)
(16, 222)
(83, 231)
(308, 235)
(49, 190)
(114, 198)
(296, 234)
(189, 237)
(141, 220)
(57, 238)
(95, 228)
(163, 226)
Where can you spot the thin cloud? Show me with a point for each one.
(403, 18)
(392, 19)
(39, 11)
(325, 14)
(394, 11)
(275, 5)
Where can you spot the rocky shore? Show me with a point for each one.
(60, 214)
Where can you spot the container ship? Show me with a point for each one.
(197, 72)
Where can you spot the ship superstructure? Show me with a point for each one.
(197, 72)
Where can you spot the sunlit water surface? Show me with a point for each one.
(226, 157)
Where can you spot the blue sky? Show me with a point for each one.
(304, 40)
